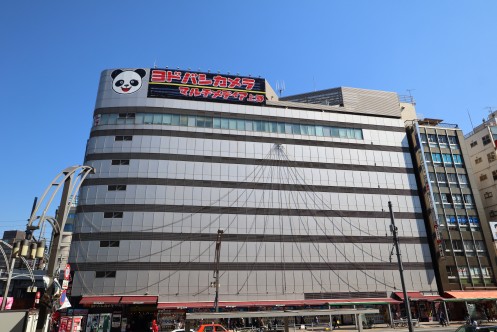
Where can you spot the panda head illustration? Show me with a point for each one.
(127, 81)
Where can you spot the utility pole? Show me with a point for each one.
(216, 268)
(394, 229)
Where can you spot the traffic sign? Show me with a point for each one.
(65, 284)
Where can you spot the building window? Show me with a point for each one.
(437, 158)
(473, 144)
(463, 272)
(451, 220)
(480, 245)
(483, 177)
(445, 198)
(475, 272)
(126, 116)
(463, 180)
(436, 198)
(494, 175)
(473, 220)
(427, 157)
(488, 194)
(457, 160)
(423, 138)
(452, 179)
(432, 139)
(468, 199)
(116, 187)
(105, 274)
(457, 199)
(122, 138)
(486, 139)
(447, 158)
(120, 162)
(493, 213)
(451, 272)
(442, 140)
(432, 177)
(487, 272)
(491, 157)
(478, 160)
(113, 214)
(457, 245)
(112, 244)
(462, 220)
(442, 179)
(469, 245)
(227, 123)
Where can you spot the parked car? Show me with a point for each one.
(183, 330)
(211, 328)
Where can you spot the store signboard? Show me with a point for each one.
(180, 84)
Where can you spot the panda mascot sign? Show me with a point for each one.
(127, 81)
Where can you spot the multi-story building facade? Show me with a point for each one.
(481, 146)
(458, 230)
(301, 191)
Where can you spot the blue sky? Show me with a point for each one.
(52, 53)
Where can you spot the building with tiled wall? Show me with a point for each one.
(300, 189)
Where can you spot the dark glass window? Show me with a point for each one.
(120, 162)
(486, 139)
(113, 214)
(121, 138)
(104, 244)
(105, 274)
(116, 187)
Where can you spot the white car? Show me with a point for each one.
(183, 330)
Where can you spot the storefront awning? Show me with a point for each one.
(88, 300)
(455, 296)
(139, 300)
(417, 296)
(277, 303)
(363, 301)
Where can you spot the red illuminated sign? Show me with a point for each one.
(214, 87)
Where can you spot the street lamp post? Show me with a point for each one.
(69, 180)
(19, 249)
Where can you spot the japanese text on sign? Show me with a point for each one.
(193, 85)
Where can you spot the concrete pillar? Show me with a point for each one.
(285, 320)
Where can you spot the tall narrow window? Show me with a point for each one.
(491, 157)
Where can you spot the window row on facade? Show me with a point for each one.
(464, 273)
(440, 140)
(458, 200)
(487, 139)
(484, 176)
(445, 159)
(449, 179)
(226, 123)
(491, 157)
